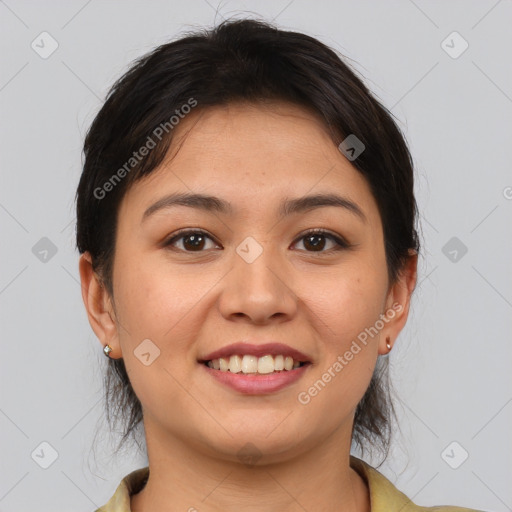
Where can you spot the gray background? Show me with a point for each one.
(451, 364)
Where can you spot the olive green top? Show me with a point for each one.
(384, 496)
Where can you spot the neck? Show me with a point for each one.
(190, 480)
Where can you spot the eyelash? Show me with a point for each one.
(339, 241)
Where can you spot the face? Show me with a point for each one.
(191, 279)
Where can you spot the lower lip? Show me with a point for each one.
(251, 384)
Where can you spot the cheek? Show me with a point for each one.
(154, 302)
(347, 303)
(346, 308)
(154, 305)
(343, 314)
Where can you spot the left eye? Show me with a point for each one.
(313, 241)
(316, 240)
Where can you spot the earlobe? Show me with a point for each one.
(98, 305)
(398, 304)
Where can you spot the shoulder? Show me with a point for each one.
(130, 484)
(384, 496)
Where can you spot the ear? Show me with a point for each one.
(398, 302)
(99, 307)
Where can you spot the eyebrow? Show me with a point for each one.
(288, 207)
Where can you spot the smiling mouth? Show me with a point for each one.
(248, 364)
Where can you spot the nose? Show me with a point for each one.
(259, 292)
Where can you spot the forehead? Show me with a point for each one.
(253, 155)
(253, 133)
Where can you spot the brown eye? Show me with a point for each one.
(190, 241)
(194, 242)
(316, 241)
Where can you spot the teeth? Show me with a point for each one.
(235, 364)
(266, 364)
(249, 364)
(252, 364)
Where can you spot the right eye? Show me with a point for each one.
(191, 240)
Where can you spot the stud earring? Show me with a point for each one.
(388, 345)
(106, 350)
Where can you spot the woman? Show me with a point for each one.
(246, 220)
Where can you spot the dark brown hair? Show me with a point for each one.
(249, 61)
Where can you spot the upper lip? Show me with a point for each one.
(258, 350)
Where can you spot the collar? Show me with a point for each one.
(384, 496)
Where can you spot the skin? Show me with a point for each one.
(191, 303)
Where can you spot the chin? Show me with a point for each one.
(257, 446)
